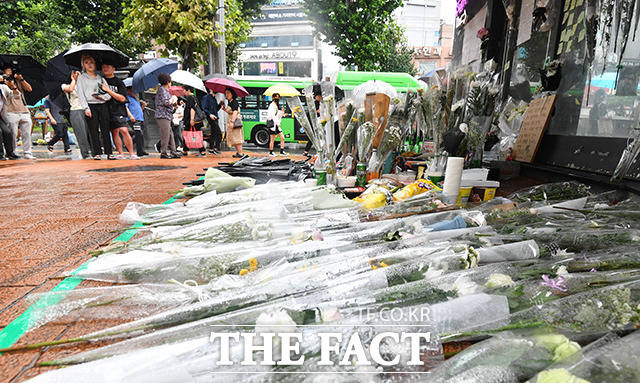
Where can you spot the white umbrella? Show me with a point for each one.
(186, 78)
(372, 86)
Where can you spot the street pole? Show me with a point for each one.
(212, 68)
(222, 43)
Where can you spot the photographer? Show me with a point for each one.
(6, 136)
(18, 116)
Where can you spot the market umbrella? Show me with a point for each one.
(177, 91)
(284, 90)
(220, 84)
(147, 76)
(100, 52)
(187, 78)
(57, 74)
(31, 70)
(372, 86)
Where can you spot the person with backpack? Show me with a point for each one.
(193, 121)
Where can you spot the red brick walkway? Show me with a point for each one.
(51, 214)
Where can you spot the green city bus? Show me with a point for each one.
(254, 106)
(254, 110)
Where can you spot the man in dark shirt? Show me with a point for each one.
(211, 108)
(190, 118)
(59, 125)
(117, 111)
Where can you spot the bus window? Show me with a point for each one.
(263, 103)
(250, 102)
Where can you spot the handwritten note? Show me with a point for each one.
(533, 128)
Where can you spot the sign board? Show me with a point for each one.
(281, 15)
(533, 128)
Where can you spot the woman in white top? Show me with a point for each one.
(274, 119)
(77, 116)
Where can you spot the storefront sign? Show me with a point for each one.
(273, 56)
(427, 51)
(280, 15)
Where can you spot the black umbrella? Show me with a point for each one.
(100, 52)
(31, 70)
(57, 74)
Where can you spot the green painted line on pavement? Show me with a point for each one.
(19, 326)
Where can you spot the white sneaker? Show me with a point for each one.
(29, 156)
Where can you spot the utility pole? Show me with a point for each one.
(212, 67)
(222, 51)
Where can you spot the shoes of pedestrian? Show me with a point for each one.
(283, 153)
(144, 154)
(12, 156)
(111, 157)
(134, 157)
(271, 154)
(67, 151)
(237, 155)
(50, 148)
(3, 158)
(29, 156)
(165, 156)
(157, 146)
(97, 158)
(120, 157)
(175, 155)
(185, 152)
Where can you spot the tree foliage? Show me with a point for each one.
(99, 21)
(363, 32)
(180, 26)
(25, 29)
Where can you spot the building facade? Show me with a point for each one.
(282, 44)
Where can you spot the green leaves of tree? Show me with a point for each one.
(363, 32)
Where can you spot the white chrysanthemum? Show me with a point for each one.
(562, 270)
(464, 128)
(499, 280)
(277, 322)
(465, 286)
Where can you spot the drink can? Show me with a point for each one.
(361, 175)
(321, 176)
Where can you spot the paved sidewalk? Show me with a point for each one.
(51, 214)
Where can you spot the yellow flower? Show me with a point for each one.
(244, 272)
(296, 109)
(323, 122)
(382, 264)
(374, 267)
(355, 119)
(253, 264)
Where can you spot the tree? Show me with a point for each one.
(99, 21)
(22, 30)
(181, 26)
(363, 32)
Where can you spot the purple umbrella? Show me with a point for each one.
(220, 84)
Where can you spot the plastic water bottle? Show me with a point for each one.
(372, 167)
(320, 169)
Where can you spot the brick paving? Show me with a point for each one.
(52, 213)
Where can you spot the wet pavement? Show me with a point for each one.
(52, 213)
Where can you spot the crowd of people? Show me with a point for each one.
(107, 117)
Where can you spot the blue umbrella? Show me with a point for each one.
(147, 76)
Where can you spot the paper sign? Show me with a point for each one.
(533, 127)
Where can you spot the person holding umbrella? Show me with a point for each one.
(135, 111)
(164, 115)
(191, 120)
(93, 100)
(235, 136)
(18, 116)
(274, 119)
(6, 136)
(77, 116)
(211, 108)
(115, 88)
